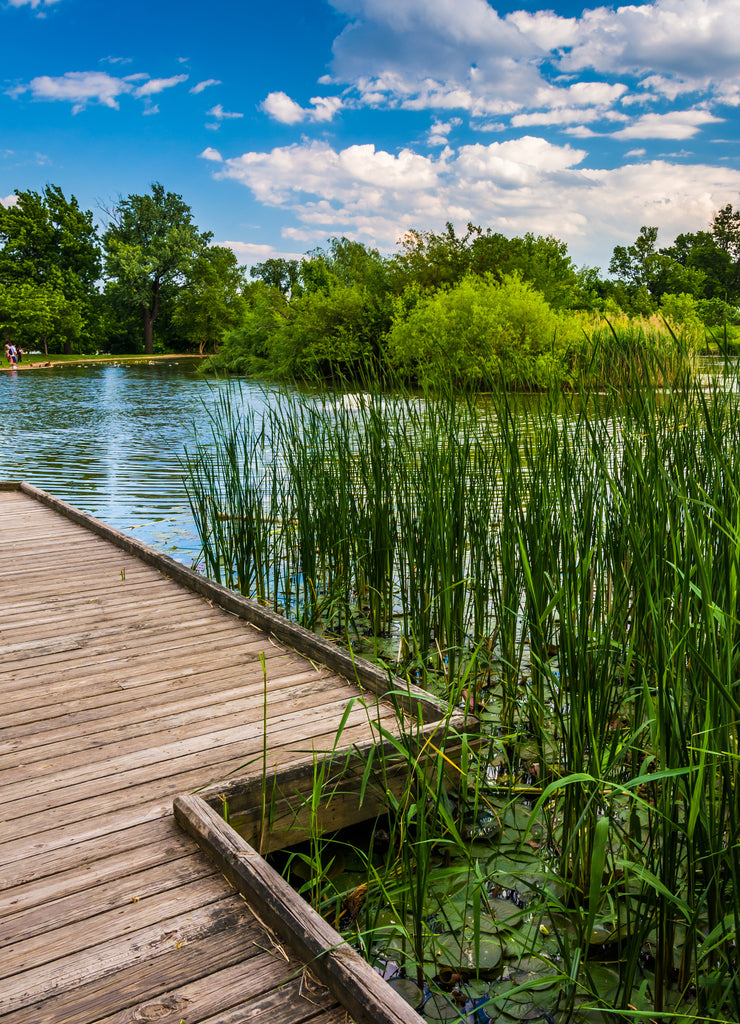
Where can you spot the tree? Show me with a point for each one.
(211, 301)
(38, 314)
(252, 346)
(642, 267)
(541, 260)
(150, 245)
(49, 260)
(726, 231)
(434, 259)
(631, 263)
(278, 273)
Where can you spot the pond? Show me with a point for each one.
(109, 439)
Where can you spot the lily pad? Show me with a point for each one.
(537, 973)
(447, 951)
(505, 912)
(486, 958)
(439, 1007)
(515, 1006)
(408, 990)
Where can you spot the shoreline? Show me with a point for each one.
(132, 360)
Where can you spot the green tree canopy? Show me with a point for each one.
(50, 264)
(278, 273)
(150, 245)
(483, 331)
(210, 302)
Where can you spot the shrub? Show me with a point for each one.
(483, 331)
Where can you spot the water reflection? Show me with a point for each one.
(109, 439)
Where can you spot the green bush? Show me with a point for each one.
(251, 346)
(483, 331)
(333, 330)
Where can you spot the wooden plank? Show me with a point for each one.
(93, 757)
(60, 867)
(70, 972)
(350, 978)
(115, 894)
(110, 640)
(124, 919)
(54, 619)
(114, 771)
(245, 983)
(76, 704)
(122, 673)
(285, 1005)
(296, 636)
(154, 977)
(47, 831)
(55, 882)
(44, 737)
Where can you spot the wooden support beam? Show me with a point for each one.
(328, 957)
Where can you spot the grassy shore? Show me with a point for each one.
(35, 361)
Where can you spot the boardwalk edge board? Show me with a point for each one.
(288, 793)
(357, 670)
(328, 957)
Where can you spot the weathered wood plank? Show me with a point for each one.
(127, 678)
(234, 675)
(63, 865)
(110, 640)
(40, 981)
(296, 636)
(72, 823)
(111, 772)
(122, 673)
(286, 1005)
(126, 918)
(225, 990)
(337, 965)
(137, 850)
(154, 977)
(42, 738)
(115, 894)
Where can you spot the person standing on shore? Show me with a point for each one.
(12, 354)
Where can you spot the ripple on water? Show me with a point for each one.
(109, 440)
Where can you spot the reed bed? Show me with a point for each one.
(569, 566)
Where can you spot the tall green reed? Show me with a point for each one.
(578, 558)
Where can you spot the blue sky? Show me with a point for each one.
(287, 123)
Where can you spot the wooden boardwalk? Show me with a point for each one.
(122, 687)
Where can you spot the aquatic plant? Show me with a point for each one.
(570, 567)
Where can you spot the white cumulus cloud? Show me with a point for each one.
(677, 124)
(78, 88)
(516, 185)
(205, 84)
(447, 55)
(280, 107)
(81, 88)
(156, 85)
(209, 153)
(220, 114)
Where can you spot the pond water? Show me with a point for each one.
(109, 440)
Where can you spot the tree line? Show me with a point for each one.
(151, 275)
(151, 278)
